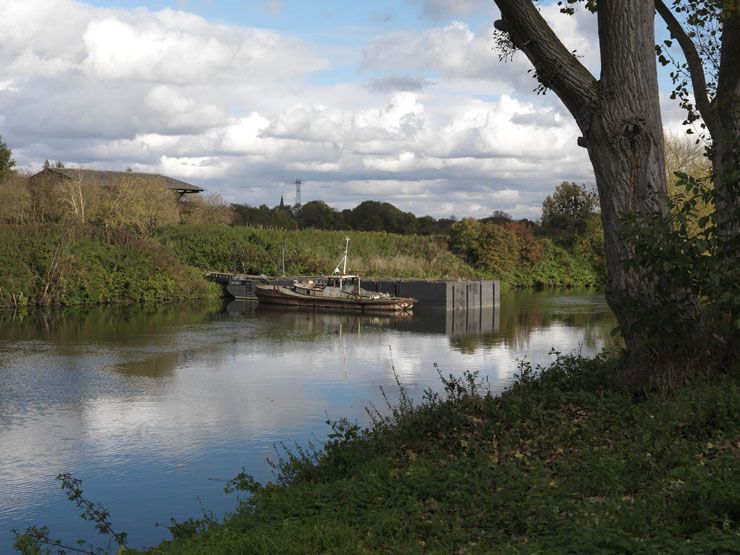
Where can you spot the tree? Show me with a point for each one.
(139, 206)
(685, 156)
(709, 39)
(569, 208)
(6, 159)
(619, 117)
(75, 195)
(47, 164)
(316, 214)
(372, 215)
(498, 217)
(208, 209)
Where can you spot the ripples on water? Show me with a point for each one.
(153, 407)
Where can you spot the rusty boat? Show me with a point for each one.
(339, 291)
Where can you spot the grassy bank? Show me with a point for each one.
(56, 265)
(312, 251)
(377, 254)
(565, 462)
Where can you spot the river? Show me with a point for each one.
(155, 407)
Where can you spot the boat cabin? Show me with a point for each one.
(343, 281)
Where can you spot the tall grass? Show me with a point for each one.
(312, 251)
(62, 265)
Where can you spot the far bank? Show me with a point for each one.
(61, 264)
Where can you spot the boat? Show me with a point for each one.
(339, 291)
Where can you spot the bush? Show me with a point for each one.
(55, 265)
(512, 252)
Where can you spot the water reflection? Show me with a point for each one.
(146, 404)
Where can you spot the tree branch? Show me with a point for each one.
(557, 68)
(696, 68)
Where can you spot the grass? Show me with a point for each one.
(372, 254)
(55, 265)
(566, 461)
(312, 251)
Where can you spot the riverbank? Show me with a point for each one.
(44, 265)
(567, 461)
(55, 265)
(372, 254)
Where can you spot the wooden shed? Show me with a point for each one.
(105, 178)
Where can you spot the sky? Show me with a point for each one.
(401, 101)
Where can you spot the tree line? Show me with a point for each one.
(369, 215)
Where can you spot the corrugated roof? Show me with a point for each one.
(103, 177)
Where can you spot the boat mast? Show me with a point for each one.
(346, 249)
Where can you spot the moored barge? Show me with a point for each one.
(340, 291)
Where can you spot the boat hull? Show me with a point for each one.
(284, 296)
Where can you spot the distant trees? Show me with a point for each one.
(569, 208)
(316, 214)
(371, 215)
(7, 163)
(208, 209)
(498, 217)
(571, 217)
(367, 216)
(519, 253)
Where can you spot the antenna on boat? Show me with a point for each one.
(343, 261)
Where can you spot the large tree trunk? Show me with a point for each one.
(619, 117)
(725, 128)
(625, 140)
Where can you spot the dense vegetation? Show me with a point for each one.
(311, 251)
(52, 264)
(377, 254)
(75, 241)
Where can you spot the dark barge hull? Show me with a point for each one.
(278, 295)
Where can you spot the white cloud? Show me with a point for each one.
(230, 108)
(176, 47)
(453, 51)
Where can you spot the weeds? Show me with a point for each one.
(37, 540)
(567, 460)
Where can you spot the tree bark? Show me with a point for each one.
(625, 140)
(619, 117)
(726, 135)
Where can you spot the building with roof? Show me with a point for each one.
(104, 178)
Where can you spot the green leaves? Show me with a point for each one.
(687, 258)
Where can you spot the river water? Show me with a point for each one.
(154, 407)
